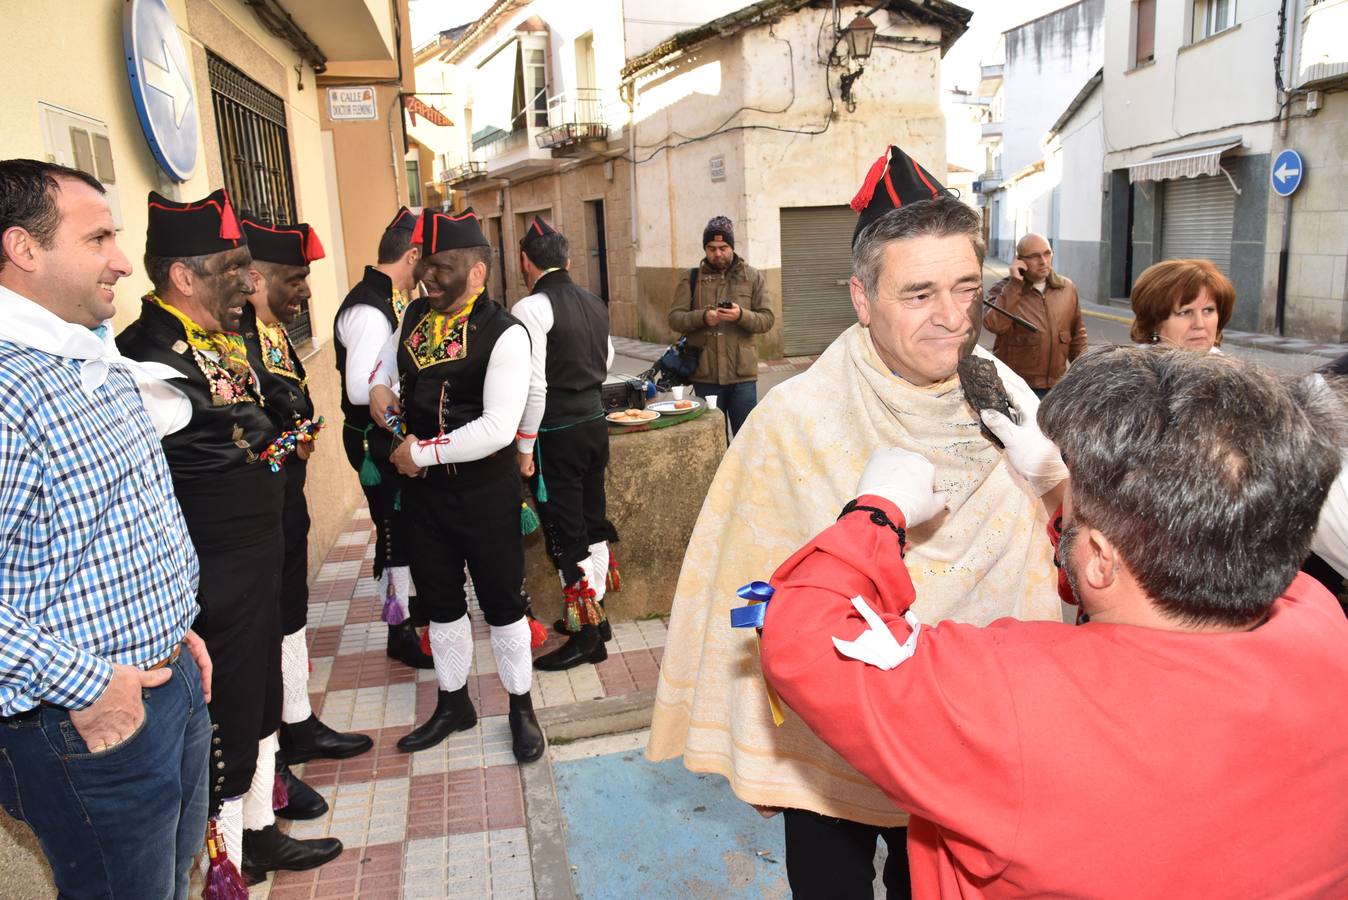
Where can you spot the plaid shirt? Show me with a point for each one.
(96, 565)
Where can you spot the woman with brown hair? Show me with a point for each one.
(1182, 303)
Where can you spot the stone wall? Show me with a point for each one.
(566, 194)
(1317, 299)
(656, 483)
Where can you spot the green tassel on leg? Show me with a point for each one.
(369, 472)
(528, 519)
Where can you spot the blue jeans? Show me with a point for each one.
(736, 400)
(126, 822)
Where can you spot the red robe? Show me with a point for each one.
(1097, 760)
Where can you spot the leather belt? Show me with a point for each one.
(168, 660)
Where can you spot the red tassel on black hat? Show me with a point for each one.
(313, 247)
(417, 230)
(877, 171)
(229, 224)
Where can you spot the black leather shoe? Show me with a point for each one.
(526, 737)
(311, 739)
(405, 646)
(585, 646)
(304, 802)
(269, 850)
(605, 630)
(453, 712)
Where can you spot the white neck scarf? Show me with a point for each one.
(28, 324)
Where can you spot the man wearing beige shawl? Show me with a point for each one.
(888, 381)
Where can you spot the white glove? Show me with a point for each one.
(876, 646)
(905, 479)
(1034, 456)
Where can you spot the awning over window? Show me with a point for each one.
(494, 90)
(1186, 164)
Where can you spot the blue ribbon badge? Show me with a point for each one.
(758, 593)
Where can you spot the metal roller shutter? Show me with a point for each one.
(816, 267)
(1198, 215)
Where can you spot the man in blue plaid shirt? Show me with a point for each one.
(104, 732)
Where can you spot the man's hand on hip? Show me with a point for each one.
(197, 647)
(905, 479)
(115, 716)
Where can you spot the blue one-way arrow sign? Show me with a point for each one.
(1288, 170)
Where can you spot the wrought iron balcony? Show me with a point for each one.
(574, 117)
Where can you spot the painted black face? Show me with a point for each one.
(226, 286)
(287, 291)
(445, 277)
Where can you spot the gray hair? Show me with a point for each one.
(157, 267)
(1206, 472)
(942, 217)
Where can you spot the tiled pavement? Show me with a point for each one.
(447, 822)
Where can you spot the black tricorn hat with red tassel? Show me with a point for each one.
(894, 180)
(438, 231)
(200, 228)
(287, 245)
(539, 227)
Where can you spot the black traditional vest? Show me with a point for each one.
(375, 289)
(228, 495)
(577, 361)
(442, 385)
(279, 372)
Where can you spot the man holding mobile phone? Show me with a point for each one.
(721, 305)
(1038, 294)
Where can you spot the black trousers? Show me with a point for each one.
(834, 859)
(571, 463)
(390, 537)
(295, 529)
(235, 523)
(470, 516)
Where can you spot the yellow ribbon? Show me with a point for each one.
(227, 345)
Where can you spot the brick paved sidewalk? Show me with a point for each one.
(447, 822)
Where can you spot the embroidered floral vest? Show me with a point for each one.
(230, 425)
(443, 373)
(279, 371)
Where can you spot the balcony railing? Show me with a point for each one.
(463, 172)
(575, 117)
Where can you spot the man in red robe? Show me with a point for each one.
(1186, 741)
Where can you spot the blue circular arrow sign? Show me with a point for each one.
(1288, 170)
(161, 85)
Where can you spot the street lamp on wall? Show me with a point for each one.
(860, 35)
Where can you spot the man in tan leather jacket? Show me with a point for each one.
(721, 314)
(1040, 295)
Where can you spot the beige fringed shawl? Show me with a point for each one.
(785, 478)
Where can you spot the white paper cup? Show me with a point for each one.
(711, 401)
(677, 390)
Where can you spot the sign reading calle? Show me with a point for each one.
(161, 85)
(352, 103)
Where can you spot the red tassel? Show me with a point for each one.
(229, 225)
(313, 247)
(614, 578)
(877, 171)
(223, 881)
(417, 229)
(538, 633)
(426, 642)
(280, 797)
